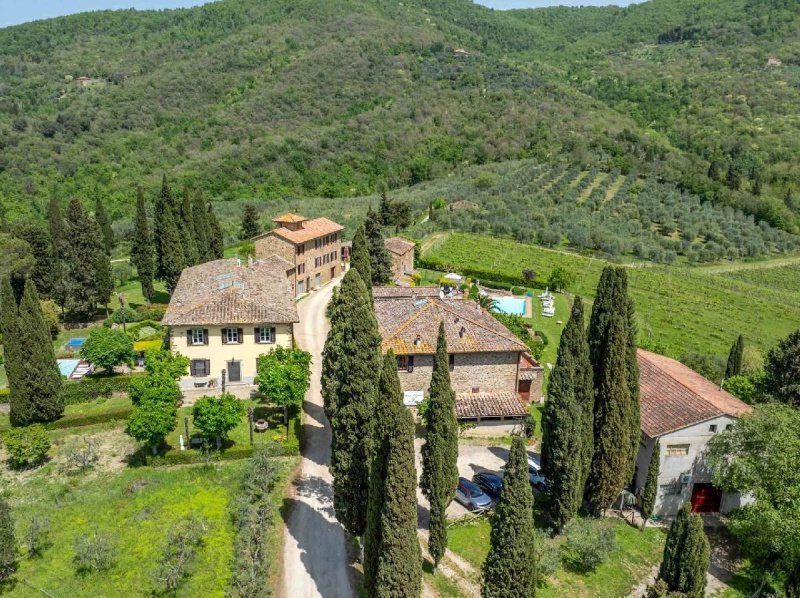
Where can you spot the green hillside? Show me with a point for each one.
(302, 98)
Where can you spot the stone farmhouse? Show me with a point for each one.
(402, 254)
(311, 248)
(224, 314)
(484, 356)
(683, 411)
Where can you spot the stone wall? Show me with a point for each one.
(488, 372)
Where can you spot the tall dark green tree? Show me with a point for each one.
(633, 407)
(251, 227)
(651, 483)
(359, 258)
(172, 258)
(782, 370)
(392, 560)
(163, 210)
(380, 260)
(103, 277)
(8, 543)
(687, 555)
(58, 242)
(566, 423)
(354, 356)
(43, 273)
(104, 222)
(185, 223)
(33, 377)
(216, 242)
(440, 451)
(734, 366)
(509, 567)
(84, 242)
(201, 228)
(142, 252)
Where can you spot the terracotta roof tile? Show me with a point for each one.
(673, 396)
(311, 229)
(489, 404)
(407, 292)
(398, 246)
(224, 292)
(411, 327)
(289, 217)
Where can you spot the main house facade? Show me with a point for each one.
(683, 411)
(224, 314)
(484, 356)
(312, 248)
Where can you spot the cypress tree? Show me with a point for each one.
(392, 555)
(216, 243)
(172, 258)
(359, 258)
(651, 484)
(8, 543)
(673, 547)
(33, 375)
(163, 210)
(380, 260)
(185, 223)
(612, 441)
(104, 222)
(58, 242)
(440, 451)
(332, 351)
(355, 358)
(202, 232)
(563, 434)
(633, 408)
(251, 227)
(687, 555)
(508, 570)
(782, 370)
(12, 356)
(734, 367)
(142, 253)
(44, 271)
(103, 277)
(83, 244)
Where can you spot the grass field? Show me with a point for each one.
(114, 408)
(635, 555)
(679, 309)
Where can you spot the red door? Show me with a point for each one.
(706, 498)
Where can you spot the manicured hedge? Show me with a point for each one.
(485, 276)
(80, 420)
(94, 387)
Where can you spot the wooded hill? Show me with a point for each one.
(333, 98)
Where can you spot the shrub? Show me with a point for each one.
(589, 543)
(131, 315)
(27, 446)
(37, 538)
(50, 312)
(8, 542)
(546, 556)
(89, 388)
(154, 311)
(94, 552)
(216, 416)
(83, 456)
(183, 540)
(106, 348)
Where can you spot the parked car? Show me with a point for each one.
(490, 483)
(471, 496)
(537, 479)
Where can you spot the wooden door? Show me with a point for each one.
(706, 498)
(234, 371)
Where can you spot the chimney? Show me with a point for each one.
(461, 332)
(418, 341)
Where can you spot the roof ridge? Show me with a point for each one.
(677, 381)
(480, 325)
(407, 323)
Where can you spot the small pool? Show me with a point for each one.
(510, 305)
(75, 343)
(67, 366)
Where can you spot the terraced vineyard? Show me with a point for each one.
(611, 213)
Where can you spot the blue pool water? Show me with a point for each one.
(75, 343)
(510, 305)
(67, 366)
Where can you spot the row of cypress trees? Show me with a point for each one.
(590, 425)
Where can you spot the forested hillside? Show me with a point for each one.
(304, 98)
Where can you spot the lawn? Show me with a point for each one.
(679, 309)
(133, 294)
(75, 415)
(136, 508)
(636, 553)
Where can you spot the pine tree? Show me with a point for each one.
(216, 243)
(651, 484)
(142, 252)
(33, 375)
(202, 231)
(251, 227)
(172, 258)
(440, 451)
(734, 367)
(8, 543)
(508, 570)
(44, 272)
(58, 242)
(355, 359)
(687, 555)
(392, 554)
(359, 258)
(380, 260)
(563, 425)
(185, 223)
(104, 222)
(84, 241)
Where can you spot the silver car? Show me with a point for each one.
(471, 496)
(535, 475)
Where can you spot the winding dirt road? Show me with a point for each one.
(316, 559)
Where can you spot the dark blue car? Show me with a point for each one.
(490, 483)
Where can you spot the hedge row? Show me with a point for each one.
(88, 389)
(486, 277)
(78, 421)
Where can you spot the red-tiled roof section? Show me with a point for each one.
(398, 246)
(407, 292)
(311, 229)
(673, 396)
(489, 404)
(412, 326)
(289, 217)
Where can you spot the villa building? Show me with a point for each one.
(402, 253)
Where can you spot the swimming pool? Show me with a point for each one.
(67, 366)
(510, 305)
(75, 343)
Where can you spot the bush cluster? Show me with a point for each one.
(183, 540)
(588, 545)
(89, 388)
(94, 552)
(26, 446)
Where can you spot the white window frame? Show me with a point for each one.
(265, 334)
(198, 337)
(232, 336)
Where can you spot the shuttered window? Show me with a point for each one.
(231, 336)
(200, 367)
(265, 334)
(405, 362)
(197, 336)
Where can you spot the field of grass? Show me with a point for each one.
(635, 555)
(679, 309)
(114, 408)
